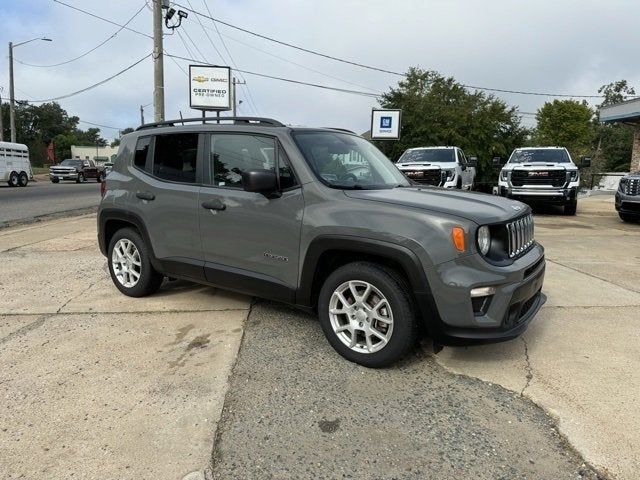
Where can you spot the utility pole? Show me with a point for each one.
(158, 64)
(141, 114)
(12, 100)
(235, 103)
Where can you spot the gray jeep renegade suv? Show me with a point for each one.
(321, 219)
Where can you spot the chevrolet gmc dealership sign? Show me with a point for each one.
(385, 124)
(209, 87)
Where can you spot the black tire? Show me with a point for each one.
(55, 180)
(150, 280)
(394, 288)
(459, 185)
(13, 179)
(571, 208)
(100, 178)
(80, 178)
(625, 217)
(23, 179)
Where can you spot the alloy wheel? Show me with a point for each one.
(361, 316)
(126, 263)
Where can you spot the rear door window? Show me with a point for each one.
(175, 157)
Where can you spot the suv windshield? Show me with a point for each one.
(548, 155)
(428, 155)
(71, 163)
(347, 161)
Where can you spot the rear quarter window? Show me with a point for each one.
(142, 152)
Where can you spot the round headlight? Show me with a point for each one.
(484, 239)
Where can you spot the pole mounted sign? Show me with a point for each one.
(209, 87)
(385, 124)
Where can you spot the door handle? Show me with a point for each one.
(145, 196)
(214, 204)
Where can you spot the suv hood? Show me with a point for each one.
(539, 166)
(427, 165)
(477, 207)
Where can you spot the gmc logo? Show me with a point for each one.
(538, 174)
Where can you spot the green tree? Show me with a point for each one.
(615, 141)
(116, 142)
(615, 92)
(567, 123)
(437, 110)
(37, 125)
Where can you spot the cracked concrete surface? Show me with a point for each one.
(580, 358)
(94, 384)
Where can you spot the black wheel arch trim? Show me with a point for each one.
(107, 214)
(400, 254)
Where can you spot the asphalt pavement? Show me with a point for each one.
(297, 410)
(99, 385)
(44, 198)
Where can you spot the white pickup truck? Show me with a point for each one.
(542, 175)
(446, 167)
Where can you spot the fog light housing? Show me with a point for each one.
(481, 299)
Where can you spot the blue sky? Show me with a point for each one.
(564, 47)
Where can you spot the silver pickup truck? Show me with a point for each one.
(541, 175)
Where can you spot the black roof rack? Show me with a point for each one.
(259, 121)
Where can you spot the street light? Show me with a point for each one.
(12, 100)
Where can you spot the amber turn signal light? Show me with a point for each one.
(457, 235)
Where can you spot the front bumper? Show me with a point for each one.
(627, 204)
(518, 297)
(557, 196)
(63, 175)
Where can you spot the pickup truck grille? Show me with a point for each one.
(428, 177)
(555, 178)
(62, 170)
(520, 235)
(632, 187)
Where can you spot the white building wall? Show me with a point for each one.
(83, 152)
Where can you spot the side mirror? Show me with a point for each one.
(585, 162)
(497, 162)
(259, 181)
(472, 161)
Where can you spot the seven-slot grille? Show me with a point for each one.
(632, 186)
(519, 235)
(556, 178)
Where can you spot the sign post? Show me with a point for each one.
(209, 88)
(385, 124)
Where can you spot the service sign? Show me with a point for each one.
(385, 124)
(209, 87)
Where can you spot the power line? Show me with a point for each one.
(122, 27)
(186, 45)
(103, 19)
(331, 57)
(297, 64)
(243, 85)
(98, 125)
(290, 45)
(289, 80)
(207, 35)
(369, 67)
(90, 87)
